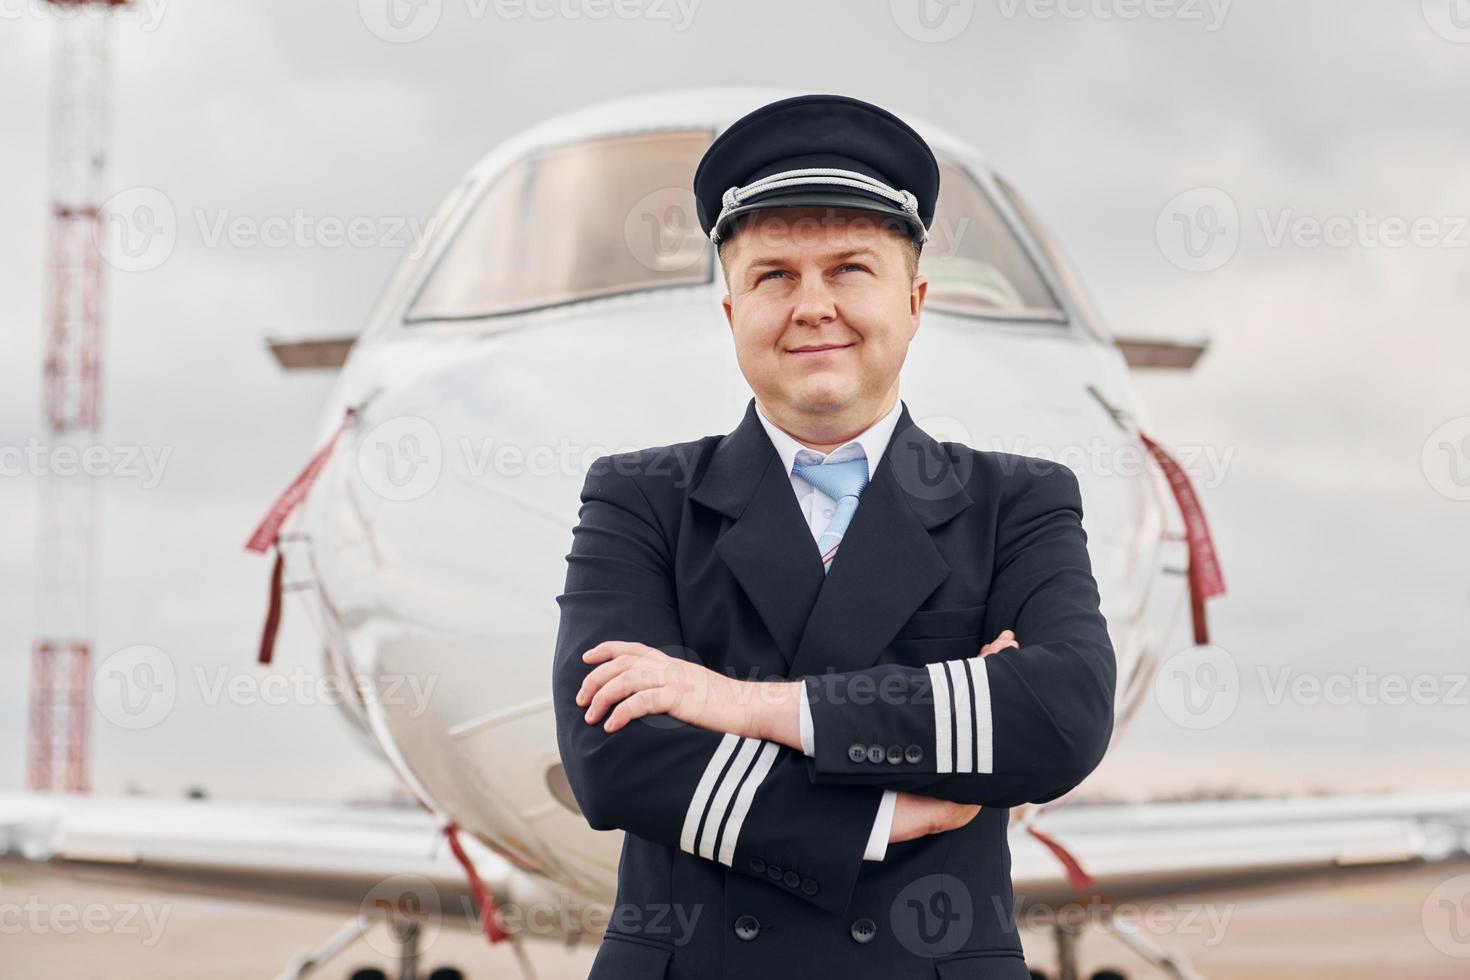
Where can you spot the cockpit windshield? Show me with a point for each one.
(972, 260)
(574, 222)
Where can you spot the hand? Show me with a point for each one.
(632, 680)
(919, 816)
(1006, 639)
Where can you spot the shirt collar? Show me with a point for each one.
(869, 444)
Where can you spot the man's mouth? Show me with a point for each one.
(814, 350)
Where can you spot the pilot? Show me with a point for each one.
(808, 666)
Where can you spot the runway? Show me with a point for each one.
(51, 931)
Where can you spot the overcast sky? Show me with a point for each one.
(1339, 373)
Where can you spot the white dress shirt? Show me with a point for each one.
(818, 508)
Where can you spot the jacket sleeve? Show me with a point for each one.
(749, 804)
(1025, 725)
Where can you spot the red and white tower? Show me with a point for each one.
(60, 683)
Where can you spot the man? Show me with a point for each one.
(769, 668)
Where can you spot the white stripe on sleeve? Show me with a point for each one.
(743, 801)
(963, 729)
(943, 749)
(720, 804)
(984, 726)
(702, 792)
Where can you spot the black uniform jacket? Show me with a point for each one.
(744, 858)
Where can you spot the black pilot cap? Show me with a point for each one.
(760, 162)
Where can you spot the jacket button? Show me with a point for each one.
(895, 754)
(757, 865)
(864, 930)
(913, 754)
(747, 927)
(809, 886)
(875, 753)
(857, 752)
(773, 872)
(792, 879)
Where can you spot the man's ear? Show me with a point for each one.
(729, 312)
(917, 294)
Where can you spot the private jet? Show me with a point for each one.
(535, 328)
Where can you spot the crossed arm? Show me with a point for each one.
(696, 759)
(635, 680)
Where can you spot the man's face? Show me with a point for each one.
(822, 310)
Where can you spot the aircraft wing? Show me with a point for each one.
(336, 857)
(332, 858)
(1141, 852)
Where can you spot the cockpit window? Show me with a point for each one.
(574, 222)
(974, 263)
(1066, 272)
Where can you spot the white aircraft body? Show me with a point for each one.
(547, 320)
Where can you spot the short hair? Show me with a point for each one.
(912, 252)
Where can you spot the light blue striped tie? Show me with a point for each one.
(844, 482)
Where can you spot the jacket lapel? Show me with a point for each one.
(887, 564)
(769, 548)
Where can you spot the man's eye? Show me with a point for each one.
(773, 272)
(844, 267)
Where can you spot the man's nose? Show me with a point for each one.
(815, 302)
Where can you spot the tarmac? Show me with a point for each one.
(1394, 928)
